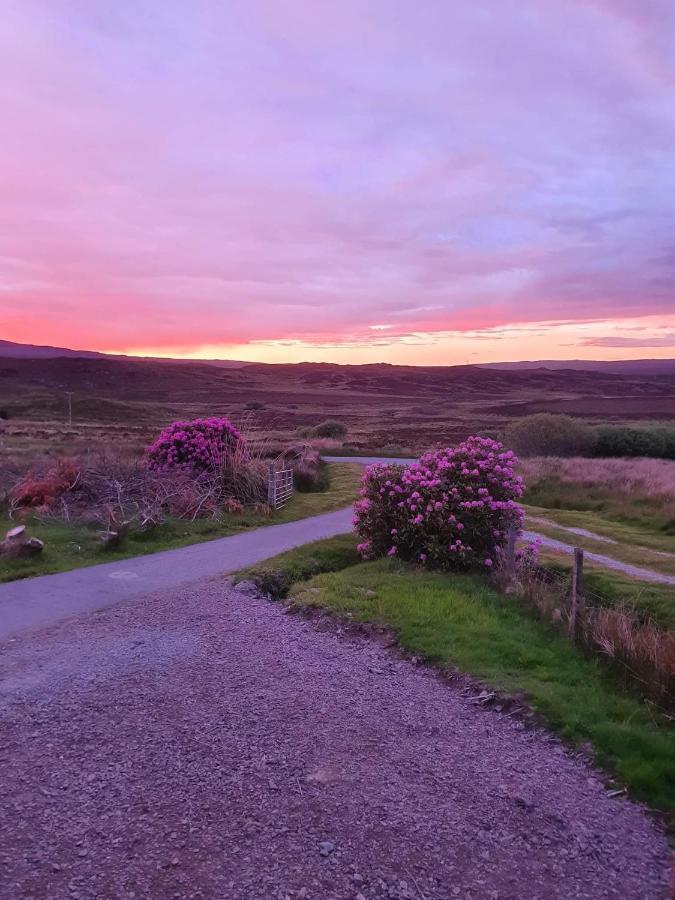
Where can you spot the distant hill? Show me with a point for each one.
(616, 367)
(11, 350)
(639, 367)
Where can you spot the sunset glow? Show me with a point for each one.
(430, 183)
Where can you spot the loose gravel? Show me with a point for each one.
(202, 744)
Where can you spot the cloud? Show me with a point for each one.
(179, 175)
(665, 340)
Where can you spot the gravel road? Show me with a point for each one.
(202, 744)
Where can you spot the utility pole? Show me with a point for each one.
(70, 406)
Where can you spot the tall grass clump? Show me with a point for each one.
(310, 472)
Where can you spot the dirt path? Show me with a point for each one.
(609, 562)
(202, 744)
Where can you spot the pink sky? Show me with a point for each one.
(355, 181)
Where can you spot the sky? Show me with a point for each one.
(369, 180)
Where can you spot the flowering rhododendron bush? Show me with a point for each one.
(201, 445)
(453, 509)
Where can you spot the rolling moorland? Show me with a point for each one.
(123, 401)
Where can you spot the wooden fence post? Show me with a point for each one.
(576, 602)
(511, 552)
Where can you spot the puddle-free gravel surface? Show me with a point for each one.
(203, 744)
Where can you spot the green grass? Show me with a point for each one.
(345, 479)
(459, 621)
(632, 554)
(628, 535)
(72, 546)
(275, 576)
(608, 587)
(647, 514)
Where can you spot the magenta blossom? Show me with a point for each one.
(197, 446)
(452, 509)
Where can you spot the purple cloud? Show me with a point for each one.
(175, 175)
(665, 340)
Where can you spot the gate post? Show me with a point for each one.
(577, 597)
(271, 486)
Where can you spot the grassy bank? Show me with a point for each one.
(632, 554)
(639, 493)
(607, 587)
(459, 621)
(69, 546)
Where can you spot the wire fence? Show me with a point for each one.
(642, 652)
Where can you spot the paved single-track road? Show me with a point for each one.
(49, 598)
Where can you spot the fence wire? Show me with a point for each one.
(641, 651)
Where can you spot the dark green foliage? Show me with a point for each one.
(622, 440)
(546, 434)
(331, 428)
(310, 478)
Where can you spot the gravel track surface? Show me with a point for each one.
(202, 744)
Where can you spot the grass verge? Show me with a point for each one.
(610, 588)
(623, 534)
(73, 546)
(276, 576)
(459, 621)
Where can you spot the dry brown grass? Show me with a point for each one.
(636, 491)
(642, 653)
(646, 654)
(637, 477)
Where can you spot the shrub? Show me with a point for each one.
(310, 473)
(621, 440)
(548, 434)
(668, 435)
(331, 428)
(40, 491)
(201, 445)
(311, 479)
(453, 509)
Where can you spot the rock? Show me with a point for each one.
(16, 545)
(15, 533)
(326, 848)
(249, 588)
(29, 548)
(111, 540)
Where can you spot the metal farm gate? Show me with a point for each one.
(279, 486)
